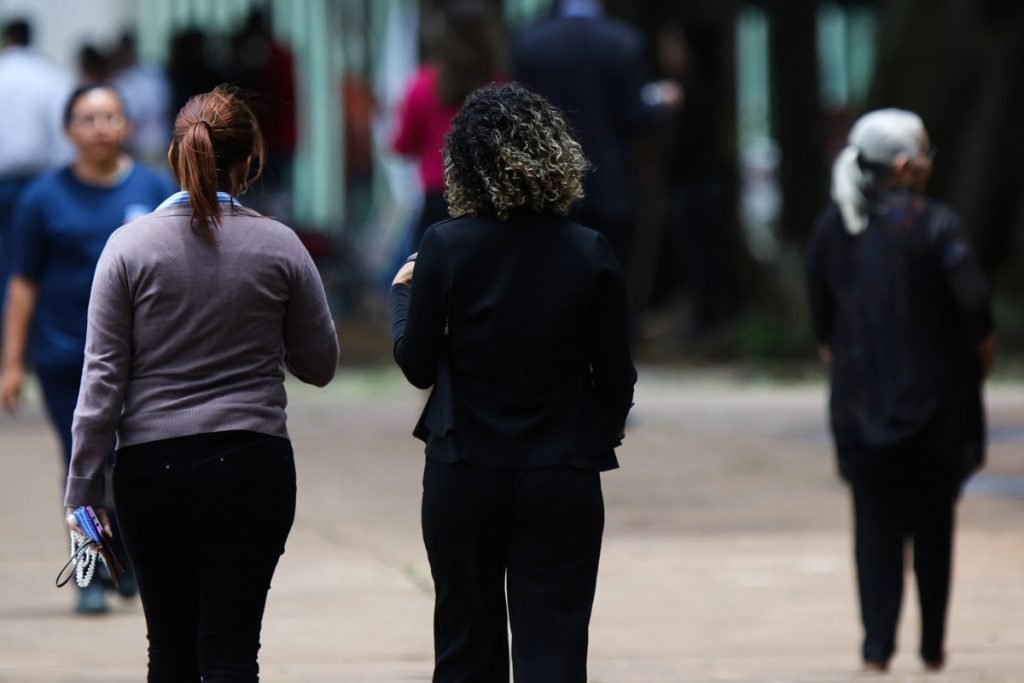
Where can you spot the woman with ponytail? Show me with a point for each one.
(902, 314)
(196, 311)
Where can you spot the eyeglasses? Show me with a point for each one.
(930, 152)
(111, 121)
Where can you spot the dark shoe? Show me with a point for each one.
(91, 600)
(935, 665)
(870, 667)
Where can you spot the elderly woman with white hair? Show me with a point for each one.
(902, 313)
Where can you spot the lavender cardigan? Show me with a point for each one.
(188, 338)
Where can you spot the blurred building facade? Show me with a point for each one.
(332, 38)
(789, 76)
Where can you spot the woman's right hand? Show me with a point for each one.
(11, 382)
(404, 275)
(101, 515)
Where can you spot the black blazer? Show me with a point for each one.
(593, 70)
(902, 306)
(521, 326)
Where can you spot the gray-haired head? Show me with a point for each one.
(876, 142)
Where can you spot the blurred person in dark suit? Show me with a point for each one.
(31, 131)
(902, 313)
(699, 179)
(592, 68)
(517, 316)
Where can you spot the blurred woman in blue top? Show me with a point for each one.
(60, 225)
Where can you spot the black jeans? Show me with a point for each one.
(536, 532)
(900, 494)
(205, 519)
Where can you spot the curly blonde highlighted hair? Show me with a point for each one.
(511, 148)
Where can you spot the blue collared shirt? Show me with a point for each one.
(58, 232)
(589, 9)
(183, 198)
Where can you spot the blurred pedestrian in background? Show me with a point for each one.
(31, 131)
(902, 312)
(146, 94)
(60, 225)
(195, 311)
(190, 70)
(517, 317)
(699, 179)
(465, 52)
(592, 68)
(93, 65)
(359, 110)
(264, 67)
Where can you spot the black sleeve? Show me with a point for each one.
(419, 313)
(963, 275)
(612, 371)
(818, 289)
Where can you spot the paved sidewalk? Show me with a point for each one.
(727, 554)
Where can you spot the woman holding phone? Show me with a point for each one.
(196, 310)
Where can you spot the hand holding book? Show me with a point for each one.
(91, 537)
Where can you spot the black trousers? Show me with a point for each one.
(902, 494)
(536, 533)
(205, 519)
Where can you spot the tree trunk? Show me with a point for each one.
(957, 65)
(796, 115)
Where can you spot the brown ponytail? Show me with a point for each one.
(217, 142)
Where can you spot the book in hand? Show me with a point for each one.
(97, 539)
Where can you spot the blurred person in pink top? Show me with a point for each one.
(466, 52)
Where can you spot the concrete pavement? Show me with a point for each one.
(727, 552)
